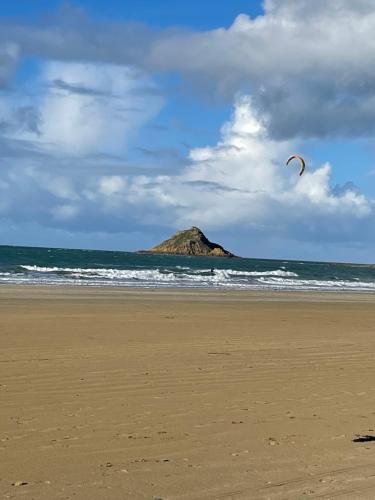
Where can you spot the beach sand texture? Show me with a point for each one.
(117, 394)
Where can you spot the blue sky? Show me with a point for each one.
(164, 13)
(123, 121)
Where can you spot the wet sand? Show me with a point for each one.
(117, 394)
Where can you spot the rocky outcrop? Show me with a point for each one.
(191, 242)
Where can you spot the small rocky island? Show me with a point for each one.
(190, 242)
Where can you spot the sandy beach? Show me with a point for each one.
(145, 394)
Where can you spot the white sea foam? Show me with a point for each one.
(43, 269)
(182, 276)
(318, 284)
(277, 272)
(78, 272)
(113, 273)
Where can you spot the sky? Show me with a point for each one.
(122, 122)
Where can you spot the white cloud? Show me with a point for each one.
(255, 169)
(239, 186)
(243, 182)
(93, 107)
(111, 185)
(309, 64)
(59, 186)
(81, 108)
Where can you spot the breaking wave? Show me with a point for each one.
(58, 266)
(181, 276)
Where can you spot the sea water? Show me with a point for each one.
(58, 266)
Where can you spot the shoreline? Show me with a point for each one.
(53, 291)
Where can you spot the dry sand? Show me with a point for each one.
(117, 394)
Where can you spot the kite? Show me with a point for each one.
(302, 161)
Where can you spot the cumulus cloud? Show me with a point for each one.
(300, 60)
(91, 107)
(79, 109)
(239, 186)
(242, 182)
(310, 66)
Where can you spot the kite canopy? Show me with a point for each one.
(302, 161)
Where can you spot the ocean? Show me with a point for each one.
(58, 266)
